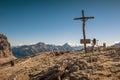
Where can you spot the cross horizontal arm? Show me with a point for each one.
(88, 17)
(77, 18)
(83, 18)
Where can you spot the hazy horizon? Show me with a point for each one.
(51, 21)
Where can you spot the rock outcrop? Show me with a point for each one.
(5, 50)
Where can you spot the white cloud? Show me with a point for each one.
(20, 44)
(58, 44)
(116, 42)
(73, 44)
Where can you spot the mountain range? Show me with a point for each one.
(117, 44)
(27, 50)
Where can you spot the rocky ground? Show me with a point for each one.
(64, 65)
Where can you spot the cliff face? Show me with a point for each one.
(5, 50)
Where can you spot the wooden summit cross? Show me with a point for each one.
(83, 19)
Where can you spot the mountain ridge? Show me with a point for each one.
(27, 50)
(117, 44)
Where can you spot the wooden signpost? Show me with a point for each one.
(87, 41)
(84, 40)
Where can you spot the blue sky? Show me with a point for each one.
(51, 21)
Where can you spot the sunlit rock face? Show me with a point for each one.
(5, 50)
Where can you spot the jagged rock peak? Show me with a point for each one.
(3, 36)
(5, 49)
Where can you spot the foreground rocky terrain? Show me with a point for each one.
(64, 65)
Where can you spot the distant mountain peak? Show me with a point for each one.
(66, 43)
(117, 43)
(40, 43)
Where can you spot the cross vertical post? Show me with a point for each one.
(84, 35)
(84, 19)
